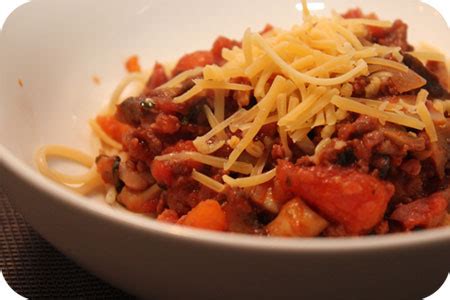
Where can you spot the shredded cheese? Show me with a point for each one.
(425, 115)
(217, 162)
(208, 181)
(249, 181)
(181, 78)
(265, 106)
(302, 79)
(357, 107)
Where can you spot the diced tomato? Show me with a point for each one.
(181, 146)
(166, 172)
(166, 105)
(132, 64)
(157, 78)
(192, 61)
(425, 213)
(207, 215)
(113, 128)
(162, 172)
(377, 32)
(356, 200)
(220, 44)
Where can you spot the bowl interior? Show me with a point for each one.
(56, 55)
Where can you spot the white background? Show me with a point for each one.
(7, 6)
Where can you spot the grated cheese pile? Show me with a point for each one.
(301, 79)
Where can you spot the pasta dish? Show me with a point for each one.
(336, 127)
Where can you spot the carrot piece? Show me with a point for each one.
(132, 64)
(207, 215)
(112, 127)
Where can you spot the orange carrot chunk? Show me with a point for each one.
(207, 215)
(132, 64)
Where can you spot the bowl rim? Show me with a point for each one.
(209, 238)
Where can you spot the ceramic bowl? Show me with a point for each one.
(56, 47)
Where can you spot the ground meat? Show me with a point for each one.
(412, 167)
(355, 200)
(359, 86)
(424, 213)
(185, 194)
(143, 144)
(241, 216)
(388, 88)
(362, 125)
(167, 172)
(242, 98)
(396, 36)
(268, 130)
(381, 164)
(277, 152)
(372, 139)
(166, 124)
(403, 139)
(165, 104)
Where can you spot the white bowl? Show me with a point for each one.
(55, 47)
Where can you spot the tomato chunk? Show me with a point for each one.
(425, 213)
(355, 200)
(113, 128)
(166, 172)
(157, 78)
(192, 61)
